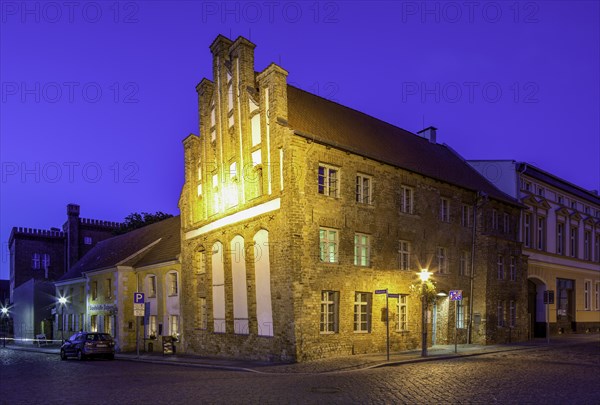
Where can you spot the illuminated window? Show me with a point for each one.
(406, 200)
(108, 324)
(255, 127)
(94, 323)
(442, 260)
(328, 181)
(329, 312)
(94, 290)
(328, 245)
(174, 325)
(172, 280)
(151, 327)
(500, 267)
(465, 218)
(35, 261)
(404, 255)
(363, 189)
(403, 313)
(513, 268)
(108, 288)
(445, 210)
(460, 315)
(230, 97)
(362, 312)
(361, 249)
(199, 180)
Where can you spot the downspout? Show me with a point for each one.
(472, 276)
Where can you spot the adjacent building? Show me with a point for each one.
(296, 210)
(99, 289)
(38, 257)
(560, 232)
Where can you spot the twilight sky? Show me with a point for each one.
(96, 96)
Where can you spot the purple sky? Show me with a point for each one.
(96, 97)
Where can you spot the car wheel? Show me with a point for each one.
(63, 355)
(80, 355)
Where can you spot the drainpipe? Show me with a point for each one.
(480, 196)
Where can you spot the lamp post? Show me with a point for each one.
(424, 276)
(62, 301)
(4, 312)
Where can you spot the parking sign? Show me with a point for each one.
(138, 298)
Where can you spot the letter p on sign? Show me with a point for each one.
(138, 298)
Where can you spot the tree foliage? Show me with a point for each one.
(137, 220)
(416, 290)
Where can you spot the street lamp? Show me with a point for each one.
(62, 301)
(4, 312)
(424, 276)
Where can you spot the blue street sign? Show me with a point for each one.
(381, 291)
(138, 298)
(455, 295)
(391, 295)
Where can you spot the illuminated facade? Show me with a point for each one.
(296, 209)
(560, 231)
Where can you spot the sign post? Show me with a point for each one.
(138, 311)
(548, 299)
(455, 295)
(387, 316)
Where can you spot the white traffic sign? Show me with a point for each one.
(139, 309)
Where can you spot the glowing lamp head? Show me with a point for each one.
(4, 310)
(424, 275)
(62, 300)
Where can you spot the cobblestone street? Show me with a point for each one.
(559, 374)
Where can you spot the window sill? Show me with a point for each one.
(327, 333)
(362, 332)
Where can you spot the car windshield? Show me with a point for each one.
(98, 336)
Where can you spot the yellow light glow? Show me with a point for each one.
(424, 275)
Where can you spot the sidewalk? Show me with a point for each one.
(339, 364)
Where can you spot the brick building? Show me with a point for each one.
(295, 209)
(38, 257)
(560, 231)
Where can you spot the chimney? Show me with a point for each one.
(428, 133)
(72, 233)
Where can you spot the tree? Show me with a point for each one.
(137, 220)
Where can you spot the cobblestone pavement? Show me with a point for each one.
(562, 373)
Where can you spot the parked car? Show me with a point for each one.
(88, 344)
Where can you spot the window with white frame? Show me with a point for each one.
(406, 200)
(108, 324)
(362, 312)
(35, 261)
(573, 245)
(460, 315)
(560, 238)
(442, 260)
(512, 314)
(403, 313)
(151, 327)
(329, 312)
(527, 229)
(108, 288)
(541, 233)
(597, 295)
(587, 295)
(500, 267)
(506, 223)
(463, 264)
(202, 313)
(587, 245)
(328, 245)
(94, 323)
(94, 290)
(151, 286)
(174, 325)
(46, 261)
(363, 189)
(500, 314)
(404, 255)
(328, 180)
(172, 283)
(87, 240)
(445, 210)
(465, 215)
(362, 250)
(513, 268)
(495, 219)
(597, 247)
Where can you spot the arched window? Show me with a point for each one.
(218, 288)
(240, 294)
(262, 269)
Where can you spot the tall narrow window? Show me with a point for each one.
(108, 288)
(513, 268)
(151, 280)
(445, 210)
(541, 233)
(465, 217)
(406, 203)
(174, 325)
(512, 314)
(442, 260)
(500, 266)
(363, 189)
(362, 312)
(506, 223)
(403, 313)
(573, 245)
(495, 219)
(361, 250)
(94, 290)
(560, 238)
(328, 245)
(328, 181)
(527, 230)
(460, 315)
(404, 250)
(587, 295)
(597, 246)
(329, 312)
(94, 323)
(500, 313)
(463, 265)
(173, 285)
(46, 261)
(587, 245)
(151, 327)
(35, 261)
(597, 295)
